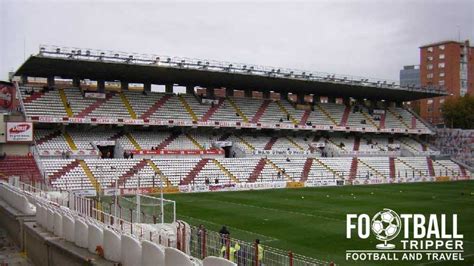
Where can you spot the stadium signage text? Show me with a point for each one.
(433, 237)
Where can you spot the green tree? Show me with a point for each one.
(459, 113)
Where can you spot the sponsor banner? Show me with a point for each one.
(95, 95)
(104, 143)
(220, 144)
(19, 132)
(148, 190)
(179, 152)
(188, 123)
(317, 144)
(379, 111)
(281, 152)
(209, 101)
(320, 183)
(85, 192)
(59, 153)
(232, 187)
(111, 191)
(371, 153)
(295, 184)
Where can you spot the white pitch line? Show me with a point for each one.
(267, 238)
(278, 210)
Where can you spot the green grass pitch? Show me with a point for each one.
(312, 221)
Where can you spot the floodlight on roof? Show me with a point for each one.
(58, 50)
(88, 52)
(116, 55)
(168, 60)
(199, 63)
(244, 66)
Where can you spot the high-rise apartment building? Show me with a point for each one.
(448, 64)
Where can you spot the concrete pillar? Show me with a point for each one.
(229, 92)
(76, 82)
(284, 95)
(169, 88)
(123, 85)
(210, 92)
(147, 87)
(266, 95)
(189, 89)
(316, 99)
(248, 93)
(50, 81)
(331, 99)
(100, 86)
(346, 101)
(399, 104)
(24, 79)
(300, 98)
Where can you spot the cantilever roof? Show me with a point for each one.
(209, 75)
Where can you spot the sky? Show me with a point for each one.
(367, 38)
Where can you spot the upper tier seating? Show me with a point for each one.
(152, 105)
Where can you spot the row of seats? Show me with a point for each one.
(249, 143)
(170, 106)
(131, 172)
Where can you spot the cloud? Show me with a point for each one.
(362, 38)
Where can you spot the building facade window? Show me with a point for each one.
(429, 75)
(430, 58)
(430, 101)
(430, 49)
(441, 101)
(440, 65)
(441, 47)
(441, 74)
(441, 56)
(441, 82)
(429, 66)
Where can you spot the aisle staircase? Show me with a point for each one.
(188, 108)
(284, 110)
(157, 105)
(278, 169)
(133, 141)
(391, 162)
(158, 171)
(89, 109)
(226, 171)
(382, 120)
(270, 143)
(430, 166)
(127, 104)
(122, 180)
(397, 116)
(261, 110)
(326, 113)
(377, 172)
(237, 110)
(306, 169)
(195, 171)
(167, 141)
(195, 142)
(292, 141)
(70, 141)
(256, 171)
(212, 110)
(89, 175)
(345, 116)
(65, 102)
(353, 170)
(63, 171)
(328, 168)
(305, 117)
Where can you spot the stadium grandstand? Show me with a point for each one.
(104, 123)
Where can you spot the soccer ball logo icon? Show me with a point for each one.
(386, 225)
